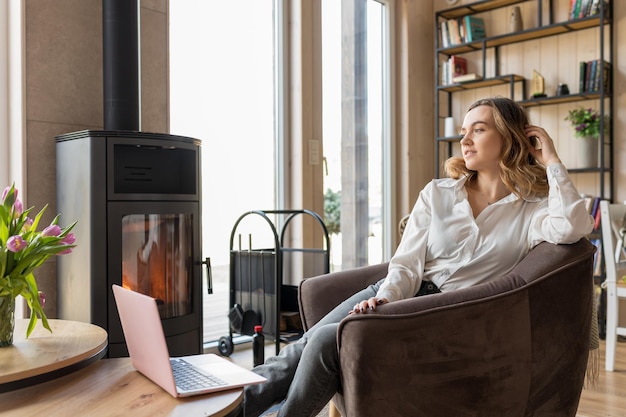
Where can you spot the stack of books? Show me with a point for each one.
(454, 70)
(579, 9)
(462, 30)
(594, 76)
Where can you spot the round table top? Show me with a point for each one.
(44, 355)
(112, 387)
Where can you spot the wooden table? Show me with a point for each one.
(43, 356)
(109, 388)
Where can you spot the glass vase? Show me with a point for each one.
(7, 320)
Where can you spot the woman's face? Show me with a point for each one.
(481, 144)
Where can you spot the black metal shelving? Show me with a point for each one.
(444, 94)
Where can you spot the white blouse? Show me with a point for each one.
(444, 243)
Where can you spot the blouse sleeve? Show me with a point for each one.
(406, 267)
(564, 217)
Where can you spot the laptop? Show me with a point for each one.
(149, 355)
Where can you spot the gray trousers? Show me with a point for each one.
(305, 374)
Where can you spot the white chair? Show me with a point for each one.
(612, 216)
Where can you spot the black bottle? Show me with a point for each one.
(258, 346)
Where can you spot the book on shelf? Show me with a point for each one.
(591, 66)
(454, 66)
(597, 257)
(474, 28)
(596, 220)
(445, 35)
(466, 77)
(458, 65)
(594, 76)
(462, 30)
(603, 76)
(580, 9)
(592, 204)
(581, 72)
(453, 31)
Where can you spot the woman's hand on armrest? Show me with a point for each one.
(369, 304)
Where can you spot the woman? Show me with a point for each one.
(509, 176)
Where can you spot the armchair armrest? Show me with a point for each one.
(319, 295)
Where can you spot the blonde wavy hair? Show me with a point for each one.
(520, 171)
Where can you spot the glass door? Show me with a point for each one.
(157, 259)
(153, 248)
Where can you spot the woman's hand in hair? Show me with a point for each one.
(544, 150)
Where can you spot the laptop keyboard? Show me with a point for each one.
(189, 379)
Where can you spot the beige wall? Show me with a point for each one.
(414, 89)
(63, 82)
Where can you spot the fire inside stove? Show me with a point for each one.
(157, 259)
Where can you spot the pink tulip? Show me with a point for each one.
(69, 239)
(16, 243)
(18, 208)
(5, 193)
(28, 223)
(42, 299)
(52, 230)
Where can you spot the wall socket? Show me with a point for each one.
(314, 152)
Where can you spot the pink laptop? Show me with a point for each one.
(195, 374)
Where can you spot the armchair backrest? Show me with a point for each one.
(516, 346)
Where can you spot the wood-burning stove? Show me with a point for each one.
(136, 197)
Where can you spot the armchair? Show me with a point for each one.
(517, 346)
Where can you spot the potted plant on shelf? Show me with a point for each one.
(587, 123)
(22, 250)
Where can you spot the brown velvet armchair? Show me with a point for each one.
(515, 347)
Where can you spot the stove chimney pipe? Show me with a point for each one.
(121, 65)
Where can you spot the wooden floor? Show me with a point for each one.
(608, 397)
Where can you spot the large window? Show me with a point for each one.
(224, 76)
(356, 127)
(222, 92)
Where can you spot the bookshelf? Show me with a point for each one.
(492, 50)
(495, 47)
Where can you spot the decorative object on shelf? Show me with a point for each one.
(449, 127)
(586, 123)
(517, 24)
(562, 90)
(588, 152)
(537, 85)
(22, 250)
